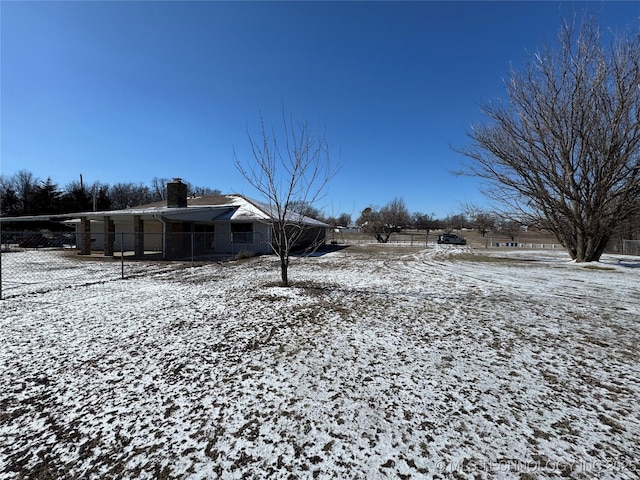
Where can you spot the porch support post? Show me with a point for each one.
(109, 236)
(138, 236)
(85, 236)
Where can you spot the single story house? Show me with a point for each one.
(184, 226)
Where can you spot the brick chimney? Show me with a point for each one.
(176, 193)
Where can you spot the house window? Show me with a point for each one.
(242, 232)
(204, 237)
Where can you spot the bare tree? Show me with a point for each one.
(344, 220)
(393, 217)
(454, 222)
(426, 222)
(306, 209)
(17, 192)
(510, 228)
(289, 173)
(9, 201)
(124, 195)
(199, 191)
(480, 219)
(564, 151)
(159, 188)
(337, 223)
(370, 222)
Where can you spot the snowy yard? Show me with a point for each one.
(381, 362)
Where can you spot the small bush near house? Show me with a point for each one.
(243, 254)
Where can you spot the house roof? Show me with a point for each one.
(209, 208)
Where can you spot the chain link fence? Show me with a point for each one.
(33, 262)
(631, 247)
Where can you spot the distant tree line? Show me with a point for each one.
(394, 217)
(25, 194)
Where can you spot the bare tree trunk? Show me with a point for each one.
(284, 269)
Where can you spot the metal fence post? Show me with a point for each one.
(122, 254)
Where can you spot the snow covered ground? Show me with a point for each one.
(380, 362)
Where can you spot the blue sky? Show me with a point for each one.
(126, 91)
